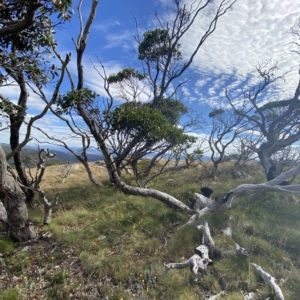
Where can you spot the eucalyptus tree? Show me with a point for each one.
(138, 133)
(243, 149)
(25, 30)
(26, 37)
(18, 16)
(226, 127)
(276, 122)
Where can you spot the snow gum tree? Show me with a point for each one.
(26, 37)
(276, 122)
(26, 30)
(138, 133)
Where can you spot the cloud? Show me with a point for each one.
(247, 35)
(93, 80)
(12, 93)
(122, 40)
(106, 25)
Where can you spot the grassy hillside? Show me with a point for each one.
(103, 244)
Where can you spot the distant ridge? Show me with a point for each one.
(62, 155)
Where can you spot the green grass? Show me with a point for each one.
(107, 244)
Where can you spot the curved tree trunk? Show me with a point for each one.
(19, 229)
(114, 176)
(265, 160)
(144, 192)
(90, 174)
(214, 170)
(16, 121)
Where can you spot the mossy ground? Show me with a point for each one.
(102, 244)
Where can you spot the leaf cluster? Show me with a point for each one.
(216, 112)
(157, 43)
(196, 155)
(9, 108)
(24, 51)
(83, 96)
(125, 74)
(276, 104)
(172, 109)
(156, 124)
(39, 33)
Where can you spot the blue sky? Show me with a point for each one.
(250, 33)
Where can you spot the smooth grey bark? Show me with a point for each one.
(18, 226)
(204, 205)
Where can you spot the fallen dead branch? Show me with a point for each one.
(270, 281)
(199, 262)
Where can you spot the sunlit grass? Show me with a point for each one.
(125, 240)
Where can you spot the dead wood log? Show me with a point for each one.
(228, 233)
(199, 262)
(270, 281)
(203, 205)
(218, 296)
(196, 263)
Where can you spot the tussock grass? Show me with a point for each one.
(108, 244)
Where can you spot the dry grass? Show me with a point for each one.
(106, 245)
(78, 176)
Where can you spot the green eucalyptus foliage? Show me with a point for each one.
(9, 108)
(216, 112)
(158, 43)
(125, 74)
(83, 96)
(276, 104)
(26, 50)
(195, 156)
(138, 119)
(40, 32)
(172, 109)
